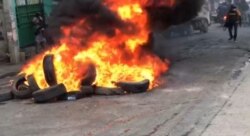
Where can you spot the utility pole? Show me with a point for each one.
(11, 27)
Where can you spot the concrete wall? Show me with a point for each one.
(3, 34)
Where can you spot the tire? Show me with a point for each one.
(204, 25)
(108, 91)
(48, 94)
(5, 95)
(134, 87)
(19, 89)
(75, 95)
(89, 76)
(32, 83)
(87, 90)
(71, 96)
(49, 70)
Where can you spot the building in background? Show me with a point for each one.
(16, 28)
(3, 39)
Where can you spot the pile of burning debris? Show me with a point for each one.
(26, 87)
(97, 42)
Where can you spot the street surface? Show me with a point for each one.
(206, 95)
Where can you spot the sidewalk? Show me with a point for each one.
(9, 69)
(234, 118)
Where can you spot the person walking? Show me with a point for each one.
(233, 20)
(39, 25)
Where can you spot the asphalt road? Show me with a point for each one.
(205, 71)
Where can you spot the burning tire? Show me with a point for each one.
(49, 70)
(5, 95)
(19, 89)
(87, 90)
(134, 87)
(32, 83)
(49, 94)
(75, 95)
(71, 96)
(108, 91)
(89, 76)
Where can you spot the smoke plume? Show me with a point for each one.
(182, 11)
(101, 19)
(95, 14)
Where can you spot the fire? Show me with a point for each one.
(128, 11)
(118, 58)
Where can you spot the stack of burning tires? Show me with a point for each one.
(26, 87)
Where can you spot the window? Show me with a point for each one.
(30, 2)
(27, 2)
(20, 2)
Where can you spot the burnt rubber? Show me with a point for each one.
(87, 90)
(19, 89)
(49, 70)
(75, 95)
(108, 91)
(49, 94)
(32, 83)
(71, 96)
(89, 76)
(134, 87)
(5, 95)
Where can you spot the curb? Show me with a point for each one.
(13, 73)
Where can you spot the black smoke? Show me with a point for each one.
(101, 19)
(182, 11)
(95, 14)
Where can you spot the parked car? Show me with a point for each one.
(203, 20)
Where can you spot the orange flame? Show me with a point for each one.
(117, 58)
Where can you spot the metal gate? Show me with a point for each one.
(25, 11)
